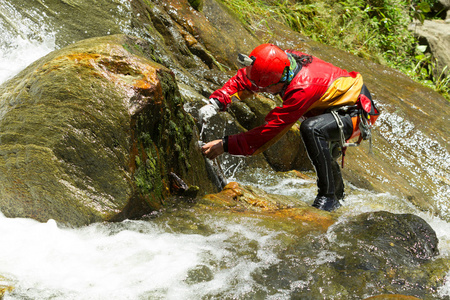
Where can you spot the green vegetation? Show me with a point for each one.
(373, 29)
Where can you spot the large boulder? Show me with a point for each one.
(91, 132)
(369, 254)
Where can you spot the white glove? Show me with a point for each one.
(208, 111)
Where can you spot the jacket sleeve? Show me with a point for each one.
(233, 87)
(277, 123)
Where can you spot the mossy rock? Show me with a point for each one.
(90, 132)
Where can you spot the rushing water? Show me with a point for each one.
(155, 258)
(160, 259)
(22, 44)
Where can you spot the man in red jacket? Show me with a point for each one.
(310, 88)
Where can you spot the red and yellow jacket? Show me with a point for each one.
(317, 87)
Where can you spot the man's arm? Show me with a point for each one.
(278, 122)
(237, 86)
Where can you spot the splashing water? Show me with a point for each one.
(159, 259)
(128, 260)
(433, 163)
(24, 43)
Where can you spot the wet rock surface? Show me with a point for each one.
(90, 133)
(371, 248)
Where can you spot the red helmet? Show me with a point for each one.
(269, 62)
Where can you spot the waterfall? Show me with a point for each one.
(21, 42)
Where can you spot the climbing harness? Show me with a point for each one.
(365, 128)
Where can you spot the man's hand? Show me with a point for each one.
(213, 149)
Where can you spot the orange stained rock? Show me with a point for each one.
(83, 56)
(137, 76)
(233, 189)
(227, 196)
(247, 198)
(238, 198)
(309, 215)
(149, 79)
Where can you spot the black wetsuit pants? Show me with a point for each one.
(317, 133)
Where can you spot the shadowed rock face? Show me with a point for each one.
(90, 133)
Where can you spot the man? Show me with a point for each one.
(332, 100)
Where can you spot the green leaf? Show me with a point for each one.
(424, 7)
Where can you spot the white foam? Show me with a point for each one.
(137, 258)
(21, 53)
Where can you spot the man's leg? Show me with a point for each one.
(336, 152)
(338, 181)
(317, 132)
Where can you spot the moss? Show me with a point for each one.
(164, 133)
(179, 124)
(137, 47)
(196, 4)
(151, 171)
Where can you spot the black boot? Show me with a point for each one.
(326, 203)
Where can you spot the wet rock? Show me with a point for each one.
(392, 297)
(196, 4)
(370, 254)
(221, 125)
(199, 274)
(90, 133)
(180, 188)
(251, 201)
(382, 240)
(435, 34)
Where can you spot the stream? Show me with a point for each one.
(160, 258)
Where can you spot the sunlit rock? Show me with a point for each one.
(392, 297)
(273, 209)
(90, 133)
(435, 35)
